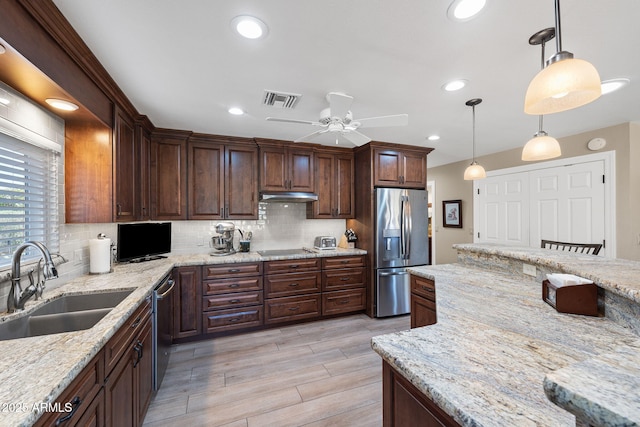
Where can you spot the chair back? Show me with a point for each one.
(583, 248)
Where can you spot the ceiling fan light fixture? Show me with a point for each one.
(612, 85)
(541, 147)
(249, 27)
(464, 10)
(61, 104)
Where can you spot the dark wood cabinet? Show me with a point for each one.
(343, 285)
(168, 170)
(403, 405)
(126, 168)
(232, 297)
(333, 185)
(187, 302)
(222, 178)
(423, 302)
(143, 128)
(285, 167)
(399, 168)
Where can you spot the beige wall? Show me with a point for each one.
(624, 139)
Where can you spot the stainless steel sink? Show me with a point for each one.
(65, 314)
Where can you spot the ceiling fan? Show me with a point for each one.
(337, 119)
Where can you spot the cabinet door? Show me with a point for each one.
(241, 184)
(206, 181)
(344, 187)
(144, 194)
(187, 302)
(423, 312)
(273, 169)
(120, 405)
(300, 170)
(325, 186)
(168, 178)
(125, 168)
(144, 372)
(414, 170)
(387, 167)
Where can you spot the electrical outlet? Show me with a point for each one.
(529, 270)
(77, 257)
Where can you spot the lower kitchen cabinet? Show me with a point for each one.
(343, 285)
(423, 302)
(291, 309)
(187, 301)
(403, 405)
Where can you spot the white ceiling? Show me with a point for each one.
(182, 65)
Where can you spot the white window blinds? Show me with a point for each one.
(28, 195)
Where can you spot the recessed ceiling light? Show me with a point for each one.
(61, 104)
(612, 85)
(433, 137)
(454, 85)
(249, 27)
(464, 10)
(235, 111)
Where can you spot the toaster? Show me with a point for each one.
(324, 242)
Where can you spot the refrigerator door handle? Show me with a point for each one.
(405, 226)
(399, 273)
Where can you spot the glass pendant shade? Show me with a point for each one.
(474, 171)
(563, 85)
(541, 147)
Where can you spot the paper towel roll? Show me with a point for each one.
(100, 255)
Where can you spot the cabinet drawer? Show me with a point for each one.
(120, 341)
(227, 320)
(423, 311)
(213, 302)
(343, 301)
(78, 396)
(280, 285)
(225, 286)
(424, 287)
(291, 265)
(336, 280)
(292, 308)
(342, 262)
(223, 271)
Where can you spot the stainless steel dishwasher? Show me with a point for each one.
(162, 328)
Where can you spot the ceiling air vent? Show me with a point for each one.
(280, 99)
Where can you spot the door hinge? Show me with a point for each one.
(478, 234)
(478, 191)
(603, 180)
(604, 243)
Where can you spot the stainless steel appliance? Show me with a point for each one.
(222, 243)
(162, 328)
(324, 242)
(401, 240)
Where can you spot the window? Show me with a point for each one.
(28, 191)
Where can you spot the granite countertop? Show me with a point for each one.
(37, 369)
(485, 361)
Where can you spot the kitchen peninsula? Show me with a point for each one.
(497, 348)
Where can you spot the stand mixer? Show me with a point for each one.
(222, 243)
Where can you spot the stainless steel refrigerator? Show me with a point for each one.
(401, 240)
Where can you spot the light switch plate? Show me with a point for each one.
(529, 270)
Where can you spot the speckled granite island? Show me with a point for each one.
(36, 370)
(500, 356)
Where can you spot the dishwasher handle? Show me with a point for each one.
(162, 295)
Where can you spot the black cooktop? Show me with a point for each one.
(282, 252)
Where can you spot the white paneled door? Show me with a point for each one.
(565, 203)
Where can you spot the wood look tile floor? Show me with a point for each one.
(316, 374)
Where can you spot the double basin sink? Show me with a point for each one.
(67, 313)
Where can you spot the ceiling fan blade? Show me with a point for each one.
(356, 137)
(311, 135)
(304, 122)
(395, 120)
(339, 104)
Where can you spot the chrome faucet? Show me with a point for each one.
(18, 297)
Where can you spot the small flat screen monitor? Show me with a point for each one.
(143, 241)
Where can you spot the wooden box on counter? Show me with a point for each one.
(572, 299)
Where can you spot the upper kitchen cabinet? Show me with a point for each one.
(399, 167)
(333, 184)
(222, 178)
(285, 167)
(143, 128)
(168, 171)
(126, 169)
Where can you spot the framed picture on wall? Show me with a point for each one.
(452, 213)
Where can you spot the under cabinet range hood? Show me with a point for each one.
(288, 197)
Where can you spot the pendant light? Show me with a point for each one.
(474, 170)
(541, 146)
(565, 83)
